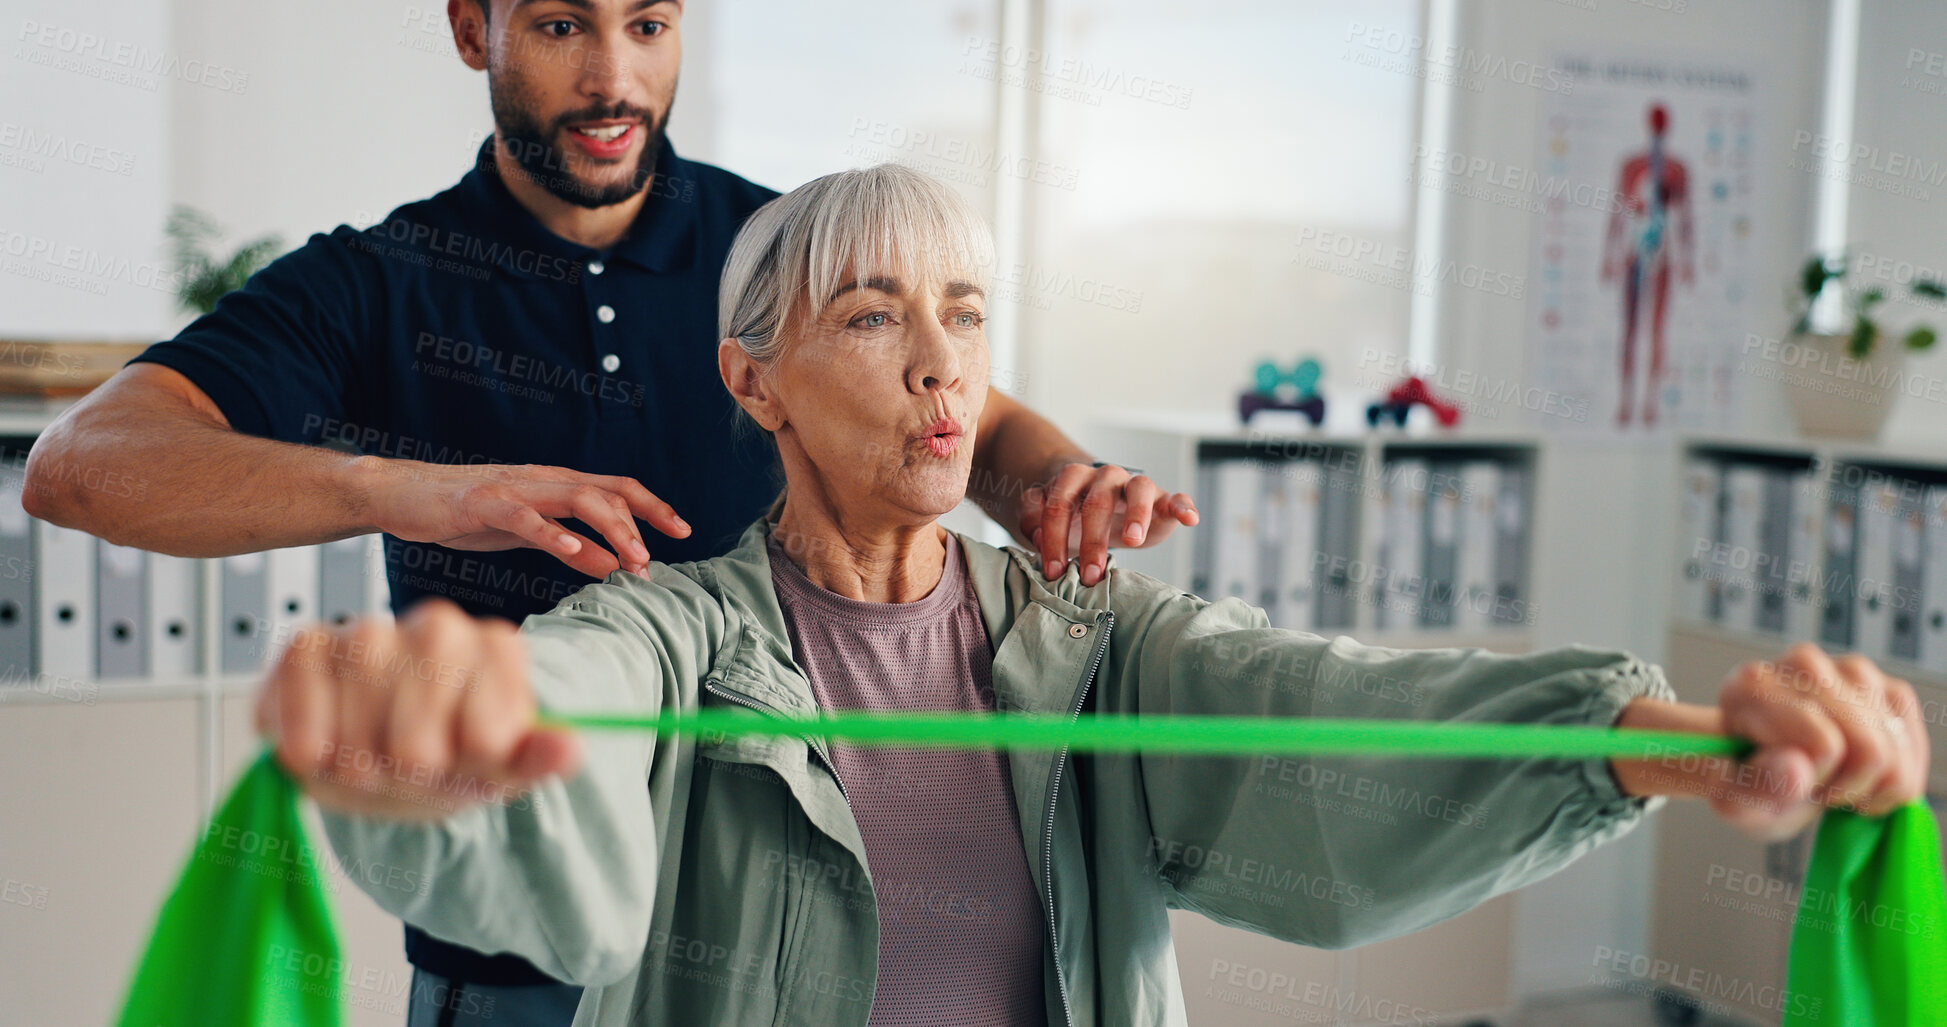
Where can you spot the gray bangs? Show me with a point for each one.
(886, 221)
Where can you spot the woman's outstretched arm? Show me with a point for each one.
(447, 803)
(1334, 851)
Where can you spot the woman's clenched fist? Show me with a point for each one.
(1828, 731)
(413, 719)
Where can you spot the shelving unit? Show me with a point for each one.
(100, 832)
(1463, 968)
(1697, 921)
(1170, 447)
(21, 422)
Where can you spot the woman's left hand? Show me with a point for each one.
(1829, 732)
(1084, 510)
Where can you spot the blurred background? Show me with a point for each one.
(1439, 189)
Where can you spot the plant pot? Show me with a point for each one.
(1835, 396)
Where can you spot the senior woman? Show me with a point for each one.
(748, 880)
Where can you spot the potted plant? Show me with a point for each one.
(1841, 382)
(205, 276)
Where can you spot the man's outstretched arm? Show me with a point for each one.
(186, 483)
(1039, 485)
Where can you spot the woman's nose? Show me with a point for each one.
(936, 365)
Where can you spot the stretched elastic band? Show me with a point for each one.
(1121, 733)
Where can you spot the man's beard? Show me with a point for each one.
(553, 168)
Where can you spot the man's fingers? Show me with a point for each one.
(1142, 498)
(609, 514)
(1098, 511)
(1031, 506)
(1058, 502)
(648, 506)
(547, 535)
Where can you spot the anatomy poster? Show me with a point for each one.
(1642, 256)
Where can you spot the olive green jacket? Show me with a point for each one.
(725, 882)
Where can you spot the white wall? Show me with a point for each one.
(84, 167)
(344, 116)
(1898, 198)
(1604, 514)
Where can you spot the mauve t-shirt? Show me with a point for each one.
(960, 922)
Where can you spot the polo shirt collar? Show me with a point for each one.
(663, 239)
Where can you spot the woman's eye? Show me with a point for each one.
(876, 319)
(967, 319)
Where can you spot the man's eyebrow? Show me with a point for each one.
(889, 286)
(588, 5)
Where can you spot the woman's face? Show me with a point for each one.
(875, 402)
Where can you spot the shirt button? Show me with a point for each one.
(611, 363)
(595, 267)
(1077, 630)
(604, 313)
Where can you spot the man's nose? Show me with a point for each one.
(605, 70)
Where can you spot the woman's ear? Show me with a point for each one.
(747, 385)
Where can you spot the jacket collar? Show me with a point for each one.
(757, 641)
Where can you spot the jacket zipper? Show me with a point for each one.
(812, 743)
(1054, 790)
(817, 747)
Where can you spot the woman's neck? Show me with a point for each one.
(866, 562)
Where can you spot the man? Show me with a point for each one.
(514, 356)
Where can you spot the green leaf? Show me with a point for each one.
(1920, 338)
(1929, 288)
(1863, 333)
(1871, 298)
(1813, 276)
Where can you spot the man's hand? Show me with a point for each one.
(413, 720)
(1079, 508)
(1829, 732)
(503, 506)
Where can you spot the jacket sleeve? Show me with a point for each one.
(565, 875)
(1336, 851)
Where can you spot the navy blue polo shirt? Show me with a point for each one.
(459, 330)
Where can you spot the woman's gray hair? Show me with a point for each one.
(886, 221)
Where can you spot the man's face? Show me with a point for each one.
(582, 89)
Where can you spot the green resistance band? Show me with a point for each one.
(1214, 735)
(247, 936)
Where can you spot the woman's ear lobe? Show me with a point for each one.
(745, 380)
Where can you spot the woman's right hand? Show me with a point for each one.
(410, 720)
